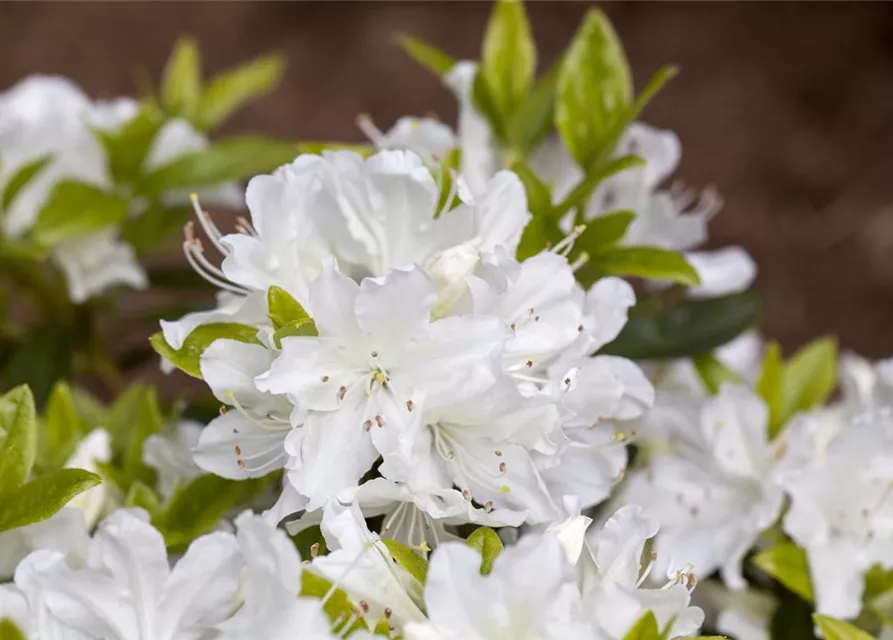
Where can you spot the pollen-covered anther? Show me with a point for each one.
(653, 555)
(241, 463)
(466, 494)
(367, 425)
(379, 421)
(375, 354)
(325, 378)
(501, 467)
(387, 613)
(223, 409)
(529, 364)
(512, 326)
(580, 329)
(237, 449)
(692, 580)
(488, 506)
(410, 405)
(364, 606)
(342, 391)
(567, 381)
(497, 453)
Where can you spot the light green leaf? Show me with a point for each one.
(787, 563)
(143, 497)
(484, 101)
(187, 358)
(410, 560)
(154, 226)
(126, 148)
(641, 262)
(75, 209)
(19, 420)
(62, 427)
(426, 55)
(9, 631)
(714, 373)
(199, 504)
(809, 377)
(534, 118)
(229, 91)
(135, 416)
(181, 81)
(687, 329)
(20, 179)
(604, 231)
(488, 544)
(540, 233)
(769, 387)
(539, 196)
(338, 606)
(508, 56)
(645, 629)
(655, 84)
(833, 629)
(598, 174)
(284, 309)
(236, 158)
(594, 91)
(43, 496)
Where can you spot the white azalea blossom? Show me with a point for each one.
(172, 455)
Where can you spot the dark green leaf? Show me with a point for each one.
(787, 564)
(232, 159)
(604, 231)
(18, 420)
(833, 629)
(127, 147)
(44, 496)
(426, 55)
(42, 359)
(714, 373)
(181, 81)
(594, 91)
(488, 544)
(690, 328)
(508, 56)
(75, 209)
(540, 233)
(409, 559)
(20, 178)
(229, 91)
(641, 262)
(792, 620)
(187, 358)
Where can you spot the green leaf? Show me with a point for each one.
(539, 196)
(143, 497)
(484, 101)
(43, 358)
(317, 148)
(604, 231)
(199, 504)
(229, 91)
(642, 262)
(236, 158)
(20, 179)
(769, 387)
(688, 329)
(61, 427)
(154, 226)
(126, 148)
(135, 416)
(44, 496)
(540, 233)
(187, 358)
(594, 91)
(75, 209)
(534, 118)
(809, 377)
(181, 81)
(645, 629)
(338, 606)
(792, 619)
(410, 560)
(833, 629)
(284, 309)
(508, 56)
(488, 544)
(655, 84)
(426, 55)
(594, 177)
(18, 419)
(714, 373)
(9, 631)
(787, 564)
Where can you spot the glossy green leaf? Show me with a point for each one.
(769, 387)
(284, 309)
(181, 81)
(604, 231)
(407, 558)
(9, 631)
(488, 544)
(690, 328)
(230, 90)
(809, 376)
(74, 209)
(187, 358)
(594, 90)
(127, 146)
(18, 419)
(20, 179)
(508, 55)
(236, 158)
(645, 629)
(714, 373)
(641, 262)
(426, 55)
(787, 563)
(43, 496)
(338, 606)
(61, 427)
(833, 629)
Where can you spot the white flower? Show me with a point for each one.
(530, 595)
(715, 491)
(611, 578)
(128, 591)
(841, 513)
(64, 531)
(96, 447)
(745, 615)
(430, 139)
(171, 456)
(95, 262)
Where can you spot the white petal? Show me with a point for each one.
(231, 438)
(723, 271)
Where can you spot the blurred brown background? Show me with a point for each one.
(786, 107)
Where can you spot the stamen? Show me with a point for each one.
(454, 189)
(577, 264)
(373, 133)
(564, 247)
(208, 225)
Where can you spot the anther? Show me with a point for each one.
(501, 467)
(410, 405)
(379, 421)
(367, 425)
(341, 392)
(325, 378)
(238, 450)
